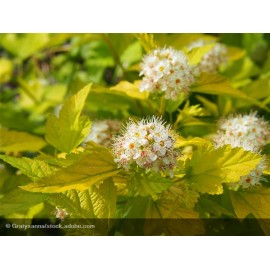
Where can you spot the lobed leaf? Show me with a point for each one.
(209, 168)
(90, 203)
(68, 130)
(33, 168)
(148, 184)
(15, 141)
(96, 165)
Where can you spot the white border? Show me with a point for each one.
(214, 16)
(134, 253)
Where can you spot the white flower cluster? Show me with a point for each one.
(250, 128)
(249, 132)
(102, 132)
(60, 213)
(166, 71)
(213, 59)
(148, 144)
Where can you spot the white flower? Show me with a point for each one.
(213, 59)
(249, 132)
(222, 139)
(254, 177)
(60, 213)
(166, 71)
(102, 131)
(249, 128)
(148, 144)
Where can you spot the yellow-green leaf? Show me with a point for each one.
(171, 215)
(195, 55)
(24, 45)
(19, 200)
(180, 41)
(68, 130)
(209, 168)
(33, 168)
(147, 41)
(197, 141)
(209, 105)
(235, 53)
(130, 89)
(6, 68)
(90, 203)
(15, 141)
(96, 165)
(253, 201)
(148, 184)
(219, 85)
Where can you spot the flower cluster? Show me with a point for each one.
(249, 132)
(166, 71)
(249, 128)
(213, 59)
(102, 132)
(60, 213)
(148, 144)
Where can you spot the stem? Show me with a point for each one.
(113, 51)
(171, 118)
(139, 105)
(162, 106)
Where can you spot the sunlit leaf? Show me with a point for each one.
(6, 68)
(147, 41)
(15, 141)
(33, 168)
(90, 203)
(130, 89)
(195, 55)
(96, 165)
(209, 168)
(151, 184)
(170, 215)
(24, 45)
(197, 141)
(69, 129)
(219, 85)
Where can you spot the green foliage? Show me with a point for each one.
(90, 203)
(19, 200)
(255, 202)
(130, 89)
(196, 54)
(151, 184)
(14, 141)
(170, 214)
(68, 130)
(147, 41)
(6, 67)
(94, 166)
(45, 120)
(23, 45)
(222, 165)
(33, 168)
(218, 85)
